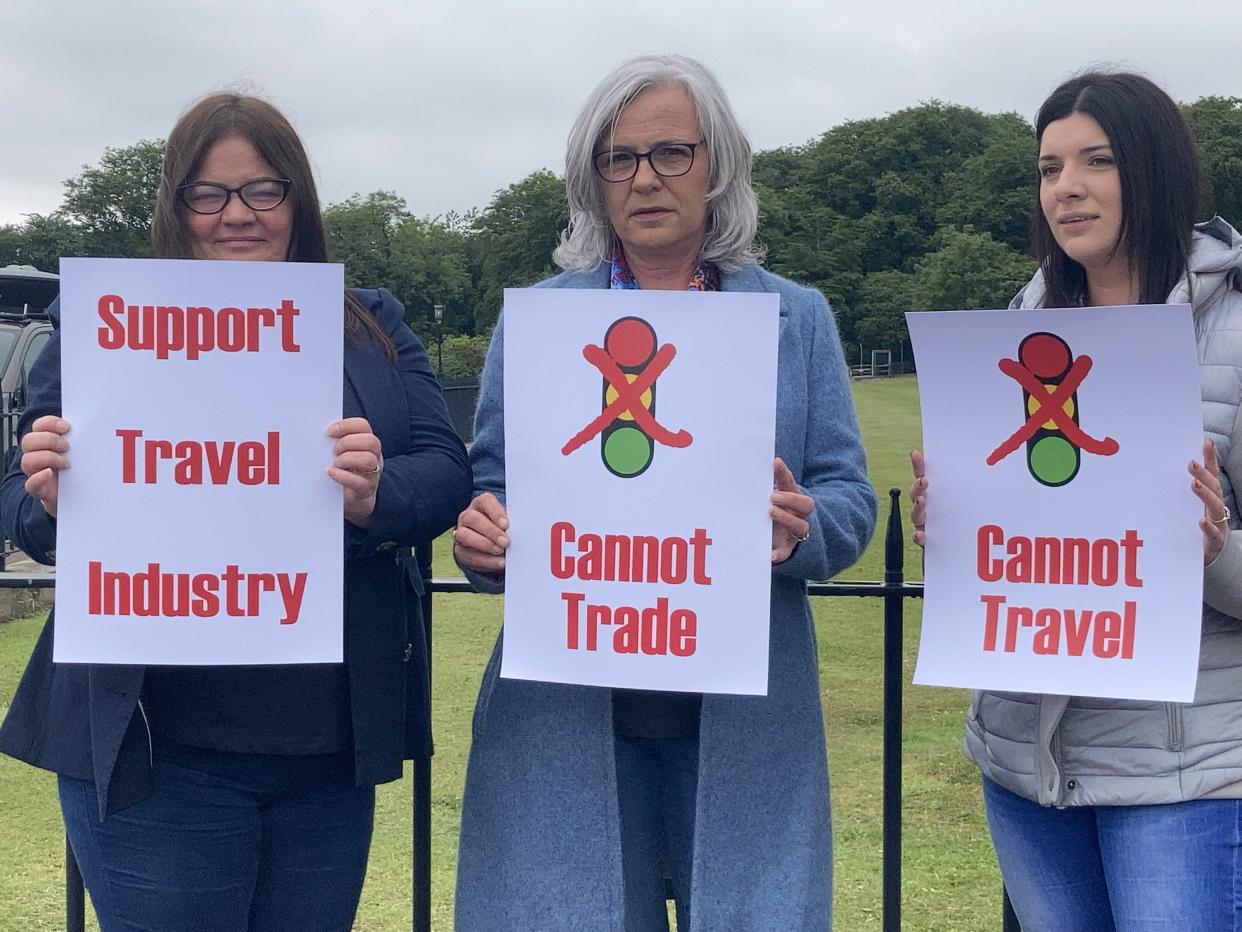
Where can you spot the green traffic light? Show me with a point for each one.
(1053, 460)
(627, 451)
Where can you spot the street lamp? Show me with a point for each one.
(438, 310)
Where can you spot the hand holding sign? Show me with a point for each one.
(1206, 485)
(791, 513)
(918, 497)
(357, 466)
(43, 456)
(480, 538)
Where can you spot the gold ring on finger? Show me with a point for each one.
(1223, 518)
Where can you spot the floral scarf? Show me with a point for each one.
(706, 277)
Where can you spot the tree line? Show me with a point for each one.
(924, 209)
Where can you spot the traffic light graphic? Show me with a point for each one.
(626, 450)
(1050, 376)
(630, 361)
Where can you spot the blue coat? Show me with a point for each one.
(540, 846)
(84, 721)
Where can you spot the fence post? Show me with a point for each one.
(75, 895)
(894, 607)
(1009, 919)
(421, 913)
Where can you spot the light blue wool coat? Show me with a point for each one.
(540, 843)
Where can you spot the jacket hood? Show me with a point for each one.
(1215, 265)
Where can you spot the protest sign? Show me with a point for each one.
(1063, 550)
(639, 429)
(196, 522)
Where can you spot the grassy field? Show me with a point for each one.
(950, 879)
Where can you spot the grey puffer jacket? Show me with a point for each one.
(1074, 751)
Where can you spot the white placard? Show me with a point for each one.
(197, 524)
(641, 549)
(1063, 550)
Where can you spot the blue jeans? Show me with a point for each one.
(226, 843)
(657, 784)
(1168, 868)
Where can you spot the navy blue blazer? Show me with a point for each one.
(84, 721)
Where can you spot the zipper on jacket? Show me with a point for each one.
(147, 723)
(1174, 711)
(1058, 781)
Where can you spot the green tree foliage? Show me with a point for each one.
(855, 212)
(512, 240)
(422, 261)
(360, 234)
(995, 189)
(969, 271)
(459, 357)
(112, 203)
(966, 271)
(40, 241)
(1217, 125)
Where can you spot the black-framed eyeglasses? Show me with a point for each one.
(207, 197)
(671, 160)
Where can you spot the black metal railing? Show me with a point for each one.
(894, 590)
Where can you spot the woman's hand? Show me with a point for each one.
(918, 497)
(1206, 485)
(481, 536)
(43, 457)
(356, 467)
(791, 512)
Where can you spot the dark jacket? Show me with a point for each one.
(85, 721)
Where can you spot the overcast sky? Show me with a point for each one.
(445, 103)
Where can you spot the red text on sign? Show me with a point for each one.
(155, 593)
(1058, 560)
(638, 558)
(1059, 631)
(216, 461)
(168, 329)
(654, 631)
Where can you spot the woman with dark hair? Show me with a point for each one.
(227, 798)
(1105, 813)
(580, 800)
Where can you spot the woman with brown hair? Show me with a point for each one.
(227, 798)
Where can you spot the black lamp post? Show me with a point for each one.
(438, 309)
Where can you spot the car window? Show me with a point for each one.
(17, 295)
(33, 349)
(8, 339)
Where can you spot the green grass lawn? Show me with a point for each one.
(950, 879)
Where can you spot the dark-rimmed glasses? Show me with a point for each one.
(670, 160)
(207, 197)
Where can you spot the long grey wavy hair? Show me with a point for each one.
(733, 211)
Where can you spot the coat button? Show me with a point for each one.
(409, 652)
(1071, 784)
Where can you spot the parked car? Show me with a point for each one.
(25, 294)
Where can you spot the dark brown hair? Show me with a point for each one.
(1158, 167)
(214, 119)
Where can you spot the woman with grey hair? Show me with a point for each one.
(580, 800)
